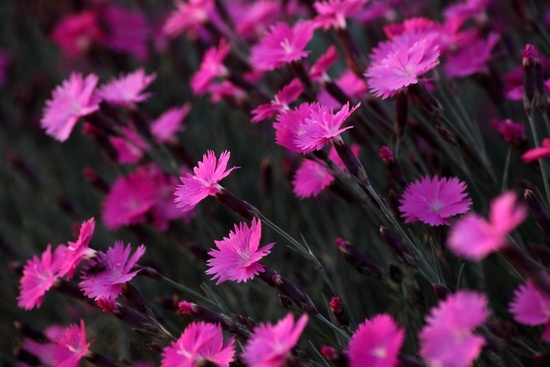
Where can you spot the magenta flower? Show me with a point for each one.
(447, 339)
(463, 10)
(318, 72)
(39, 274)
(130, 147)
(288, 125)
(111, 270)
(237, 256)
(211, 67)
(376, 343)
(472, 58)
(270, 345)
(532, 307)
(537, 153)
(288, 94)
(75, 34)
(432, 201)
(400, 62)
(252, 18)
(169, 123)
(511, 132)
(472, 237)
(70, 101)
(69, 346)
(79, 250)
(282, 45)
(189, 15)
(333, 13)
(204, 182)
(199, 343)
(127, 90)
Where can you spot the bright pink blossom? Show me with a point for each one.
(252, 18)
(270, 345)
(127, 31)
(39, 274)
(70, 101)
(333, 13)
(204, 182)
(432, 201)
(288, 125)
(288, 94)
(70, 346)
(237, 256)
(472, 237)
(77, 33)
(107, 273)
(282, 45)
(127, 89)
(448, 338)
(190, 15)
(376, 343)
(211, 67)
(472, 58)
(537, 153)
(200, 342)
(400, 62)
(79, 250)
(532, 307)
(318, 72)
(169, 123)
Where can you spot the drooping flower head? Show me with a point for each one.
(281, 45)
(237, 256)
(432, 201)
(270, 345)
(39, 274)
(111, 270)
(472, 237)
(79, 250)
(205, 180)
(170, 123)
(211, 67)
(288, 94)
(448, 338)
(532, 307)
(127, 89)
(399, 62)
(376, 343)
(189, 15)
(333, 13)
(200, 342)
(70, 101)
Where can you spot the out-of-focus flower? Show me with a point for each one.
(288, 94)
(211, 67)
(270, 345)
(472, 58)
(463, 10)
(190, 15)
(199, 343)
(77, 33)
(127, 89)
(237, 256)
(448, 338)
(532, 307)
(281, 45)
(129, 148)
(376, 343)
(473, 237)
(354, 87)
(170, 122)
(39, 274)
(70, 101)
(537, 153)
(333, 13)
(511, 132)
(205, 180)
(79, 250)
(432, 201)
(104, 278)
(318, 72)
(70, 346)
(252, 19)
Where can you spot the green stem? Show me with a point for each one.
(504, 186)
(336, 329)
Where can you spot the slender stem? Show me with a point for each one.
(544, 174)
(189, 291)
(504, 186)
(339, 331)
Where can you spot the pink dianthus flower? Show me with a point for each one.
(511, 132)
(532, 307)
(270, 345)
(169, 123)
(205, 180)
(189, 15)
(434, 200)
(472, 58)
(79, 250)
(70, 101)
(472, 237)
(211, 67)
(537, 153)
(237, 256)
(77, 33)
(333, 13)
(200, 342)
(288, 94)
(376, 343)
(127, 89)
(70, 346)
(447, 339)
(288, 125)
(130, 147)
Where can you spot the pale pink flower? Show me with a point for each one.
(400, 62)
(39, 274)
(333, 13)
(532, 307)
(129, 148)
(169, 123)
(127, 31)
(211, 67)
(200, 342)
(70, 101)
(79, 250)
(270, 345)
(189, 15)
(537, 153)
(448, 338)
(288, 94)
(204, 182)
(376, 343)
(77, 33)
(128, 200)
(104, 278)
(236, 257)
(70, 346)
(282, 45)
(127, 89)
(472, 237)
(472, 58)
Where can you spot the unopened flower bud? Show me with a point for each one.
(357, 260)
(353, 165)
(533, 80)
(539, 211)
(95, 180)
(290, 290)
(441, 291)
(398, 247)
(338, 311)
(236, 204)
(335, 356)
(286, 302)
(426, 100)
